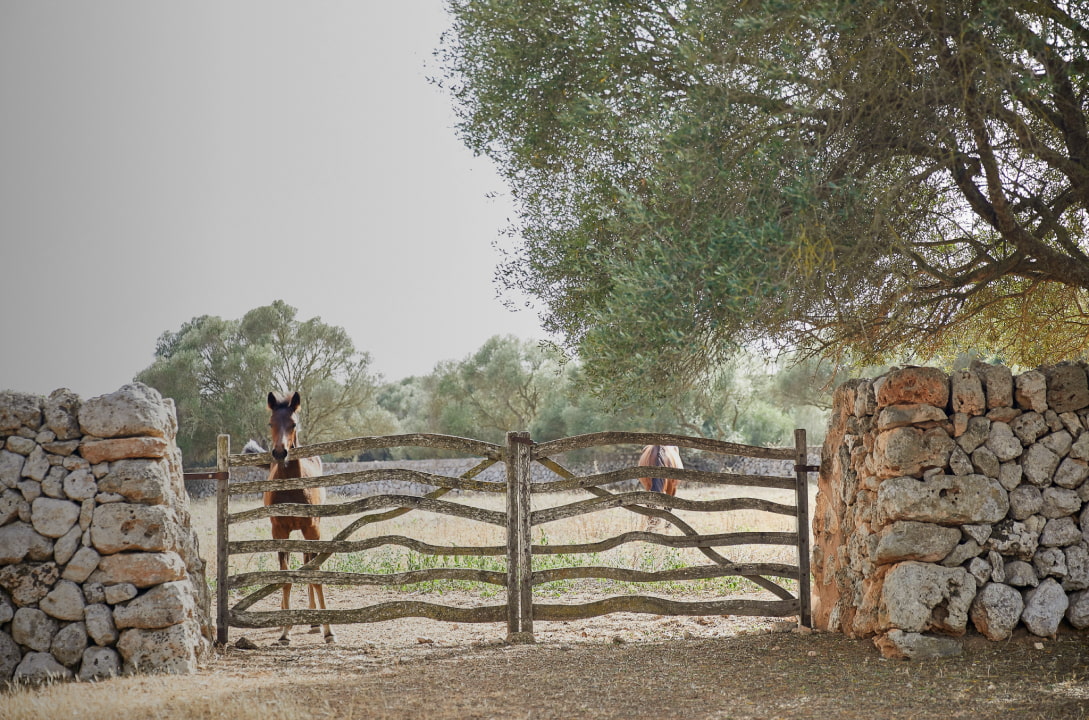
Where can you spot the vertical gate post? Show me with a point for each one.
(801, 468)
(223, 472)
(519, 543)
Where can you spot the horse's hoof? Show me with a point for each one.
(283, 641)
(314, 629)
(330, 639)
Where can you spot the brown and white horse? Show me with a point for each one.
(660, 456)
(284, 426)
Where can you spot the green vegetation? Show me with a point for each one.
(860, 180)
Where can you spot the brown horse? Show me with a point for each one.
(660, 456)
(284, 424)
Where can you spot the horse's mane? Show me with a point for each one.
(252, 448)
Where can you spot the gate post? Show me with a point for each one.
(223, 472)
(519, 543)
(801, 468)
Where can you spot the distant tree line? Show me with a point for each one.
(219, 372)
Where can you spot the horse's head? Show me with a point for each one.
(283, 424)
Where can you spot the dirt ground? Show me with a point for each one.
(645, 666)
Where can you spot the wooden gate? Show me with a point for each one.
(519, 455)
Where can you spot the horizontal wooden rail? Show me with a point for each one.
(375, 613)
(688, 476)
(583, 507)
(375, 502)
(359, 477)
(244, 547)
(363, 444)
(580, 442)
(674, 541)
(701, 572)
(660, 606)
(328, 577)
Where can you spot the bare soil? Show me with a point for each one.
(643, 666)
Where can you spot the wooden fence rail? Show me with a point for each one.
(520, 610)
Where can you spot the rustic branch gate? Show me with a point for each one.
(520, 610)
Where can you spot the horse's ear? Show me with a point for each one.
(272, 401)
(296, 401)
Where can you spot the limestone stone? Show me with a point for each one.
(10, 655)
(80, 485)
(53, 482)
(996, 611)
(20, 445)
(109, 450)
(920, 596)
(929, 386)
(1039, 465)
(979, 533)
(61, 413)
(139, 481)
(67, 544)
(1028, 427)
(99, 663)
(986, 462)
(52, 517)
(37, 465)
(1060, 532)
(11, 468)
(1080, 449)
(1058, 502)
(1077, 567)
(1045, 606)
(122, 592)
(998, 566)
(1072, 423)
(895, 416)
(997, 383)
(1030, 391)
(11, 503)
(64, 601)
(27, 583)
(980, 570)
(1077, 612)
(69, 644)
(910, 451)
(1071, 473)
(172, 650)
(1025, 501)
(1058, 442)
(967, 393)
(900, 645)
(40, 667)
(960, 463)
(1003, 443)
(905, 540)
(18, 410)
(19, 541)
(1049, 562)
(7, 609)
(975, 434)
(82, 564)
(161, 606)
(1067, 387)
(100, 625)
(118, 527)
(1009, 475)
(1013, 538)
(134, 410)
(962, 553)
(143, 570)
(947, 499)
(34, 629)
(865, 402)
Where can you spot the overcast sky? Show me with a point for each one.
(161, 161)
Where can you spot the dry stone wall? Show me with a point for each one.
(100, 573)
(952, 503)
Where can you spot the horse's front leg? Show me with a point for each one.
(317, 601)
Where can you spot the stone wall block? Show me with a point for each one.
(34, 629)
(1028, 427)
(917, 597)
(19, 410)
(996, 610)
(143, 570)
(100, 626)
(140, 481)
(1077, 612)
(1030, 391)
(52, 517)
(10, 655)
(97, 451)
(28, 583)
(99, 663)
(118, 527)
(1039, 465)
(69, 643)
(1045, 606)
(929, 386)
(967, 393)
(64, 601)
(161, 606)
(943, 499)
(906, 540)
(1003, 443)
(40, 667)
(170, 650)
(19, 541)
(1067, 387)
(61, 414)
(134, 410)
(82, 564)
(997, 383)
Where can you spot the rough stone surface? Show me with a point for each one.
(171, 650)
(920, 596)
(907, 540)
(61, 412)
(946, 499)
(900, 645)
(64, 601)
(10, 655)
(134, 410)
(162, 606)
(996, 610)
(967, 393)
(69, 644)
(1077, 613)
(139, 481)
(997, 384)
(1067, 388)
(100, 451)
(19, 410)
(100, 624)
(19, 541)
(929, 386)
(1030, 391)
(27, 583)
(39, 667)
(1039, 465)
(34, 629)
(118, 527)
(99, 663)
(141, 569)
(1045, 606)
(52, 517)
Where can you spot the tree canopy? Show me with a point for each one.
(219, 373)
(868, 180)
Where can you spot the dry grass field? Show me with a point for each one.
(616, 666)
